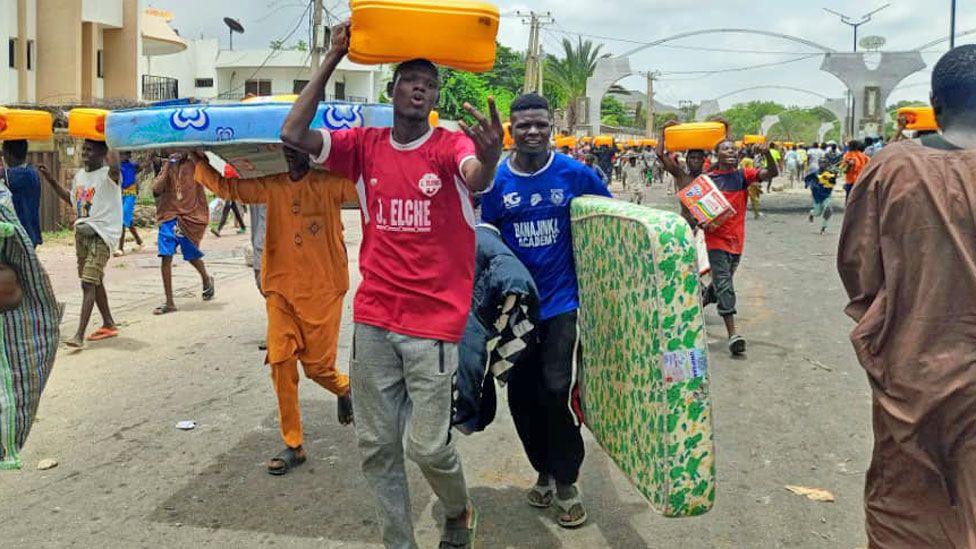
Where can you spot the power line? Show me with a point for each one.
(746, 68)
(563, 30)
(274, 52)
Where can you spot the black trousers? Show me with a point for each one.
(538, 397)
(722, 289)
(230, 206)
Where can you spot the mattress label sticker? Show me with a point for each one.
(685, 365)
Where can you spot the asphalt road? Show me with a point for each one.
(794, 412)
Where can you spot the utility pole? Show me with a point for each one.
(319, 34)
(651, 75)
(952, 25)
(854, 24)
(533, 55)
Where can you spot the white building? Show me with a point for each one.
(206, 72)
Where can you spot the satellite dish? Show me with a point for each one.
(873, 42)
(233, 25)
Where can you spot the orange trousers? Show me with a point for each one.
(290, 340)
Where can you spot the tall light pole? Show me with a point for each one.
(855, 24)
(952, 25)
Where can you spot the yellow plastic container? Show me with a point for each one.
(753, 139)
(919, 118)
(87, 123)
(648, 142)
(507, 141)
(456, 33)
(694, 135)
(788, 144)
(566, 141)
(602, 140)
(25, 124)
(434, 119)
(283, 98)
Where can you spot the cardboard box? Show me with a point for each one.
(706, 202)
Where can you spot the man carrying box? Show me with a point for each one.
(726, 240)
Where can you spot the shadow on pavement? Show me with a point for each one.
(326, 497)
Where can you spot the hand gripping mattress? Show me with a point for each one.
(243, 134)
(644, 378)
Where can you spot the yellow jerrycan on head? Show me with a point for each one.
(25, 124)
(919, 118)
(456, 33)
(87, 123)
(693, 136)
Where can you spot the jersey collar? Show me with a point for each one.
(511, 166)
(413, 145)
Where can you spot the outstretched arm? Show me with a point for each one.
(771, 170)
(295, 131)
(248, 191)
(62, 193)
(667, 161)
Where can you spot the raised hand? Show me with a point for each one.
(340, 38)
(487, 135)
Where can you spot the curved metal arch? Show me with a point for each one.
(791, 38)
(770, 87)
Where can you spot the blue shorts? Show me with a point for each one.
(170, 238)
(128, 208)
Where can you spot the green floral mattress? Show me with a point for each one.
(644, 376)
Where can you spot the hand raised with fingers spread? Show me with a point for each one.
(486, 134)
(340, 38)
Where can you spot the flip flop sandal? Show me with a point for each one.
(209, 290)
(737, 345)
(164, 309)
(567, 507)
(288, 458)
(460, 534)
(541, 496)
(103, 333)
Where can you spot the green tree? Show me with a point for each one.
(614, 113)
(569, 73)
(276, 45)
(509, 70)
(300, 46)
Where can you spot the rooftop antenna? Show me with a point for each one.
(233, 25)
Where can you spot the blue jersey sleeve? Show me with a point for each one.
(590, 183)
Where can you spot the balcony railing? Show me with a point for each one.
(237, 96)
(159, 88)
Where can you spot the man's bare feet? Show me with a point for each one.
(76, 342)
(345, 409)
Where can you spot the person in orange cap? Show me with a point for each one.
(304, 277)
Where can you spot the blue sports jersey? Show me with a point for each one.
(532, 213)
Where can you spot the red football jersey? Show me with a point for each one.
(417, 255)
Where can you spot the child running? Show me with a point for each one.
(129, 171)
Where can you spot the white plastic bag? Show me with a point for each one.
(701, 249)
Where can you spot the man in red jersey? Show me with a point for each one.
(417, 264)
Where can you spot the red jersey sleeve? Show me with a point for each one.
(461, 149)
(341, 152)
(751, 175)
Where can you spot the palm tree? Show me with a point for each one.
(569, 72)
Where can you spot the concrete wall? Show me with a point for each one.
(231, 80)
(104, 12)
(59, 51)
(120, 55)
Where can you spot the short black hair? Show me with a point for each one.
(954, 78)
(868, 141)
(529, 102)
(423, 64)
(16, 149)
(100, 146)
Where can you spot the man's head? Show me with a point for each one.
(854, 145)
(954, 86)
(633, 160)
(728, 156)
(589, 159)
(93, 154)
(531, 124)
(298, 163)
(415, 89)
(695, 160)
(14, 152)
(125, 155)
(868, 141)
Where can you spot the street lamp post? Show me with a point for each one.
(855, 24)
(952, 25)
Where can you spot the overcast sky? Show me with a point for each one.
(906, 24)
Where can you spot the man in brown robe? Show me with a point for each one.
(908, 261)
(182, 215)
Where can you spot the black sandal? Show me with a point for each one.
(288, 458)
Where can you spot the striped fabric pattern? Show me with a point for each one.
(29, 339)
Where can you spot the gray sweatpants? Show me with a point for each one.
(401, 393)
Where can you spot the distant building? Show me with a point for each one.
(85, 50)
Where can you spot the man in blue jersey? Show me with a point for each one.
(529, 203)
